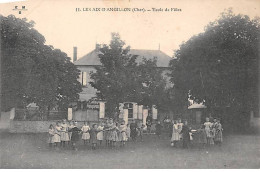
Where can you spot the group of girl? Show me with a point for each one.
(209, 133)
(68, 133)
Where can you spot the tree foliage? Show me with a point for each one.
(120, 79)
(33, 71)
(220, 65)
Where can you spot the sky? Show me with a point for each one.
(64, 27)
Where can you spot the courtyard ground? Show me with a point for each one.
(32, 151)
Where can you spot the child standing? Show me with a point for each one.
(51, 135)
(75, 131)
(175, 134)
(128, 131)
(109, 133)
(122, 133)
(85, 132)
(142, 131)
(56, 137)
(158, 129)
(208, 126)
(133, 128)
(71, 125)
(100, 135)
(218, 136)
(202, 136)
(64, 137)
(214, 124)
(106, 128)
(93, 136)
(185, 135)
(114, 135)
(180, 124)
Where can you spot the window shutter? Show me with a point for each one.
(145, 114)
(126, 116)
(101, 110)
(140, 112)
(154, 111)
(69, 114)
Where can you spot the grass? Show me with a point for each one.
(32, 151)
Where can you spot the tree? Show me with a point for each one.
(221, 64)
(120, 79)
(33, 71)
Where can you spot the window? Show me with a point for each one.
(129, 106)
(84, 78)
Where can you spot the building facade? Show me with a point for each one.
(89, 108)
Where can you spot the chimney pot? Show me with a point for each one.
(74, 54)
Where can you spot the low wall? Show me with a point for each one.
(35, 126)
(5, 120)
(29, 126)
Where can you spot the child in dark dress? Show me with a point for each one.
(185, 135)
(75, 131)
(133, 128)
(93, 136)
(202, 136)
(158, 129)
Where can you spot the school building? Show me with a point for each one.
(89, 108)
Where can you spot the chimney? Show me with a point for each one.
(97, 47)
(74, 54)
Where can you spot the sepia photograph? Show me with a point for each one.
(129, 84)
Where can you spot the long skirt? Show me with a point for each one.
(208, 133)
(50, 139)
(64, 136)
(175, 136)
(106, 136)
(122, 136)
(100, 135)
(114, 136)
(56, 138)
(85, 136)
(70, 133)
(218, 136)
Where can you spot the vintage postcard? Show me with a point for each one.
(129, 84)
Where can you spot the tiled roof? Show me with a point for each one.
(162, 58)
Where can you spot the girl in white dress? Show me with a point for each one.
(208, 128)
(100, 134)
(64, 137)
(85, 132)
(122, 133)
(175, 134)
(114, 135)
(56, 137)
